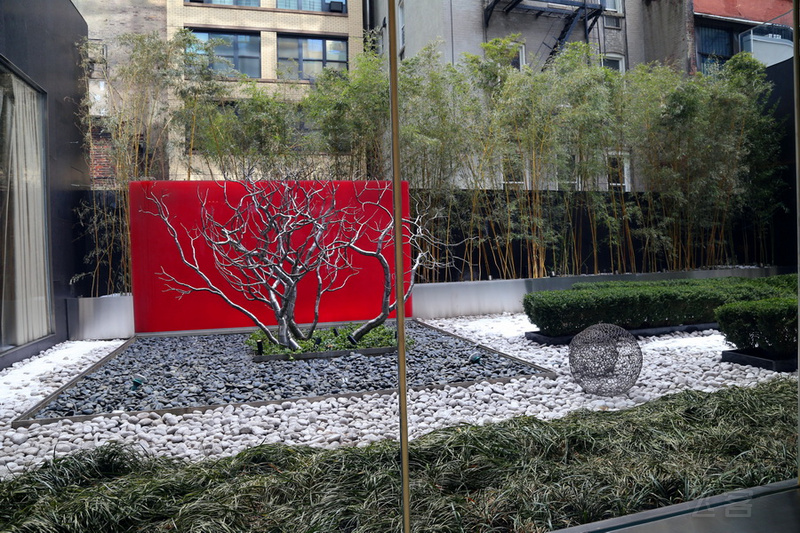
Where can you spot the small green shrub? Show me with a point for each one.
(329, 339)
(767, 324)
(644, 304)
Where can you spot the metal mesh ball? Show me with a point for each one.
(605, 359)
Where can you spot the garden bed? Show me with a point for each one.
(180, 373)
(497, 477)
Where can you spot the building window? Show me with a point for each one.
(325, 6)
(243, 50)
(714, 47)
(304, 58)
(247, 3)
(614, 62)
(619, 172)
(613, 5)
(519, 60)
(25, 297)
(614, 23)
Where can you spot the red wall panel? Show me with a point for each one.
(757, 10)
(158, 309)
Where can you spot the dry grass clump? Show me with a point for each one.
(523, 475)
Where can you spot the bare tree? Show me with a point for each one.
(380, 238)
(267, 237)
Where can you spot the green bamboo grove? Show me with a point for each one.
(572, 169)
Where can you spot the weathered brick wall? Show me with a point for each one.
(101, 165)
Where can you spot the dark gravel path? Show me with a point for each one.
(218, 369)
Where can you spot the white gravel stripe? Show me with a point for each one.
(672, 363)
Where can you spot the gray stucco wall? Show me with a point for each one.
(668, 33)
(108, 19)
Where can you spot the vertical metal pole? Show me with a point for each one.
(399, 267)
(796, 63)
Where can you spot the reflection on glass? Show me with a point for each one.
(305, 58)
(312, 49)
(241, 50)
(25, 299)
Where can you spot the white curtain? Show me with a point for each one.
(25, 299)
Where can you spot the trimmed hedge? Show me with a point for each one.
(785, 283)
(644, 304)
(767, 324)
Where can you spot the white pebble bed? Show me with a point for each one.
(672, 363)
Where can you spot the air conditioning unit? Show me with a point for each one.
(336, 7)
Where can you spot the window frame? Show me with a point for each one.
(620, 58)
(25, 259)
(234, 3)
(236, 60)
(625, 159)
(300, 60)
(325, 6)
(612, 22)
(706, 57)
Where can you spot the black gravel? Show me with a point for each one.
(204, 370)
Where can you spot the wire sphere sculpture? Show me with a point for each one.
(605, 360)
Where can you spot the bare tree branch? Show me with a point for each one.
(268, 237)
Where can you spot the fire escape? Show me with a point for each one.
(572, 12)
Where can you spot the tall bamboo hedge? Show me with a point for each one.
(526, 169)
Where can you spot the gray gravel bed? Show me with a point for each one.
(201, 370)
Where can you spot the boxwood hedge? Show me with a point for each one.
(646, 304)
(767, 324)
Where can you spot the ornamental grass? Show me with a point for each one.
(522, 475)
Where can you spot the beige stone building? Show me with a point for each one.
(294, 37)
(272, 40)
(279, 43)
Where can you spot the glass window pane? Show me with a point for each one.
(250, 66)
(220, 66)
(288, 48)
(312, 5)
(312, 49)
(225, 49)
(25, 299)
(288, 4)
(288, 69)
(312, 69)
(715, 41)
(336, 66)
(249, 45)
(337, 50)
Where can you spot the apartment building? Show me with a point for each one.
(689, 34)
(543, 26)
(266, 40)
(285, 42)
(272, 40)
(723, 28)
